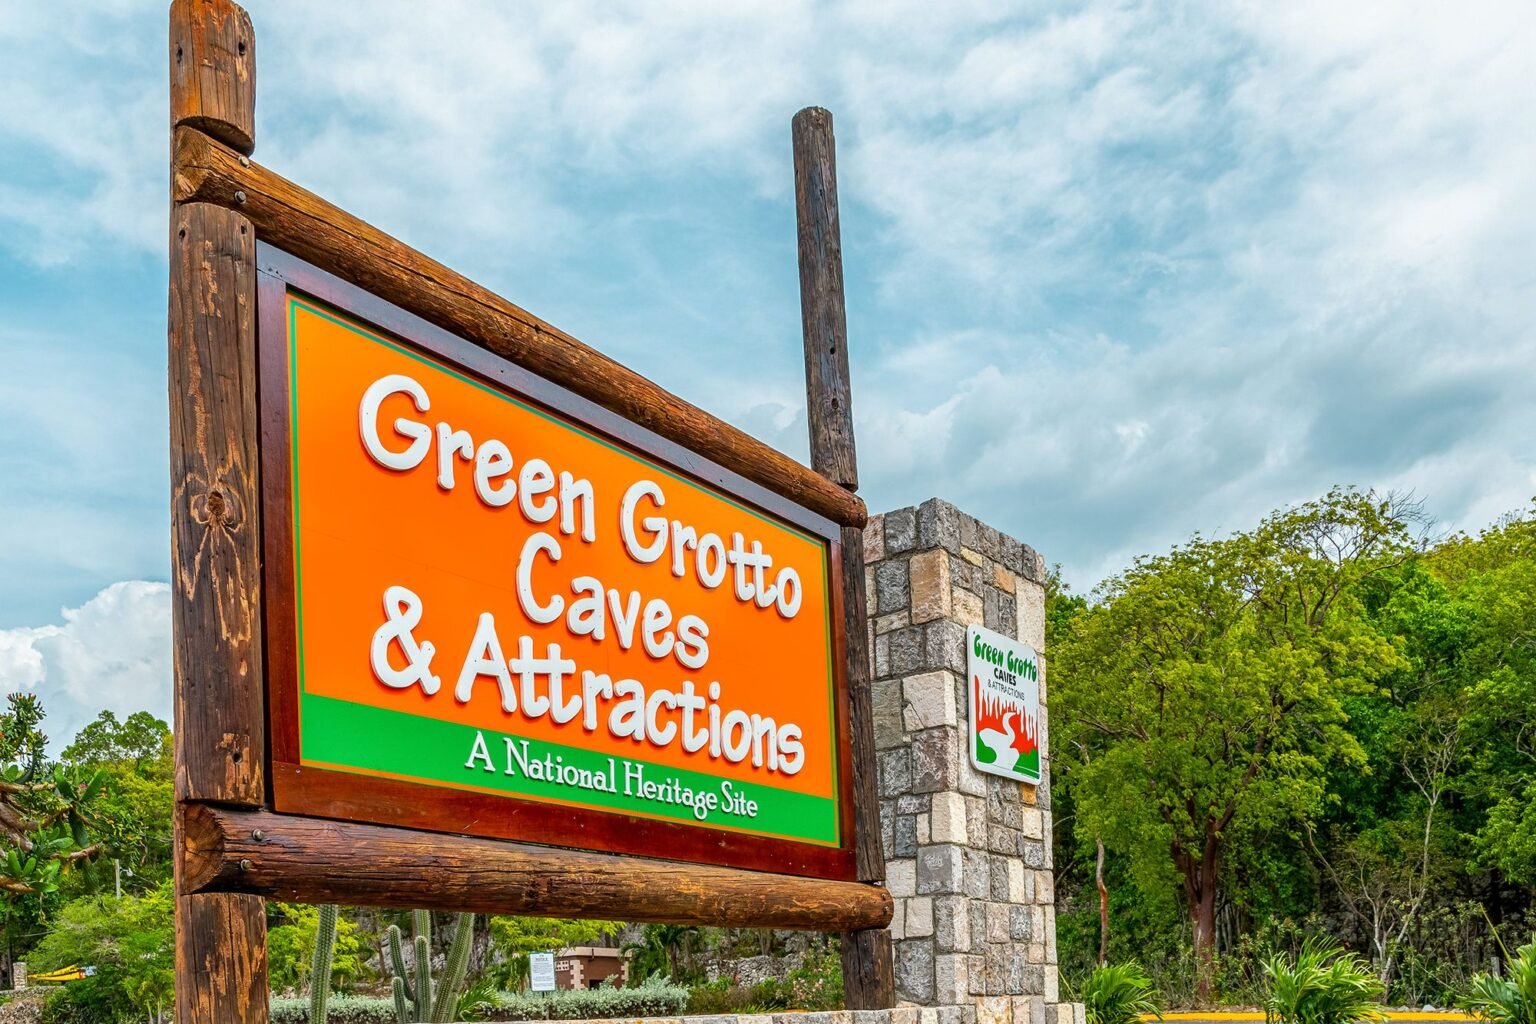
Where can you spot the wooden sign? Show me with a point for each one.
(497, 610)
(469, 616)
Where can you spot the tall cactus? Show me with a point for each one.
(320, 965)
(422, 1002)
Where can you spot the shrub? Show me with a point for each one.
(1323, 985)
(1118, 994)
(654, 998)
(1510, 1000)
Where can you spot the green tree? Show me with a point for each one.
(664, 949)
(291, 947)
(1201, 696)
(513, 938)
(128, 943)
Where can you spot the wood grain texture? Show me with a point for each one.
(215, 508)
(823, 317)
(314, 860)
(869, 979)
(213, 71)
(305, 225)
(221, 951)
(868, 975)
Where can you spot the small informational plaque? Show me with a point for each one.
(1004, 687)
(541, 972)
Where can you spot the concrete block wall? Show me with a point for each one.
(968, 855)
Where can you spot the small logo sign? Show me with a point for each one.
(1004, 687)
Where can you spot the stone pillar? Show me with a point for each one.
(968, 854)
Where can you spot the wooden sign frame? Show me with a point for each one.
(298, 789)
(236, 230)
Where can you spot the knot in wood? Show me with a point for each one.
(219, 506)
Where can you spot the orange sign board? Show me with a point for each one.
(494, 597)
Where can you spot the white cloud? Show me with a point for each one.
(111, 653)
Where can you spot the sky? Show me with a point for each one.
(1117, 272)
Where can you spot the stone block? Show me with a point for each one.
(913, 803)
(930, 586)
(1032, 823)
(973, 556)
(895, 620)
(914, 970)
(893, 591)
(952, 923)
(938, 525)
(1029, 1010)
(886, 709)
(927, 1015)
(968, 609)
(940, 870)
(1079, 1013)
(1016, 886)
(919, 917)
(1052, 987)
(944, 646)
(1050, 933)
(895, 768)
(997, 922)
(997, 970)
(898, 925)
(1045, 887)
(1001, 887)
(977, 968)
(947, 818)
(972, 782)
(924, 829)
(874, 539)
(935, 760)
(901, 877)
(902, 1015)
(900, 530)
(905, 836)
(978, 874)
(994, 1010)
(906, 651)
(929, 700)
(1018, 925)
(1025, 978)
(1031, 613)
(952, 977)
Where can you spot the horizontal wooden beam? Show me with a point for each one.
(314, 860)
(300, 222)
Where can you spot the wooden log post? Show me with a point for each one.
(221, 952)
(868, 981)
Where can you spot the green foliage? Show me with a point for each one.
(1202, 697)
(1118, 994)
(1507, 1000)
(513, 938)
(653, 999)
(45, 809)
(665, 950)
(130, 943)
(291, 948)
(1322, 984)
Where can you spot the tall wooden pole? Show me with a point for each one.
(868, 982)
(221, 953)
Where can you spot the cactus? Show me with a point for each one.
(320, 966)
(423, 1002)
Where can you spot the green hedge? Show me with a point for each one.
(649, 1000)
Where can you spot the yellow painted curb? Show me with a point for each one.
(1245, 1015)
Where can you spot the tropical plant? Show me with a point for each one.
(1323, 984)
(1510, 1000)
(418, 999)
(320, 966)
(1118, 994)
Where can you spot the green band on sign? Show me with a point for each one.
(343, 735)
